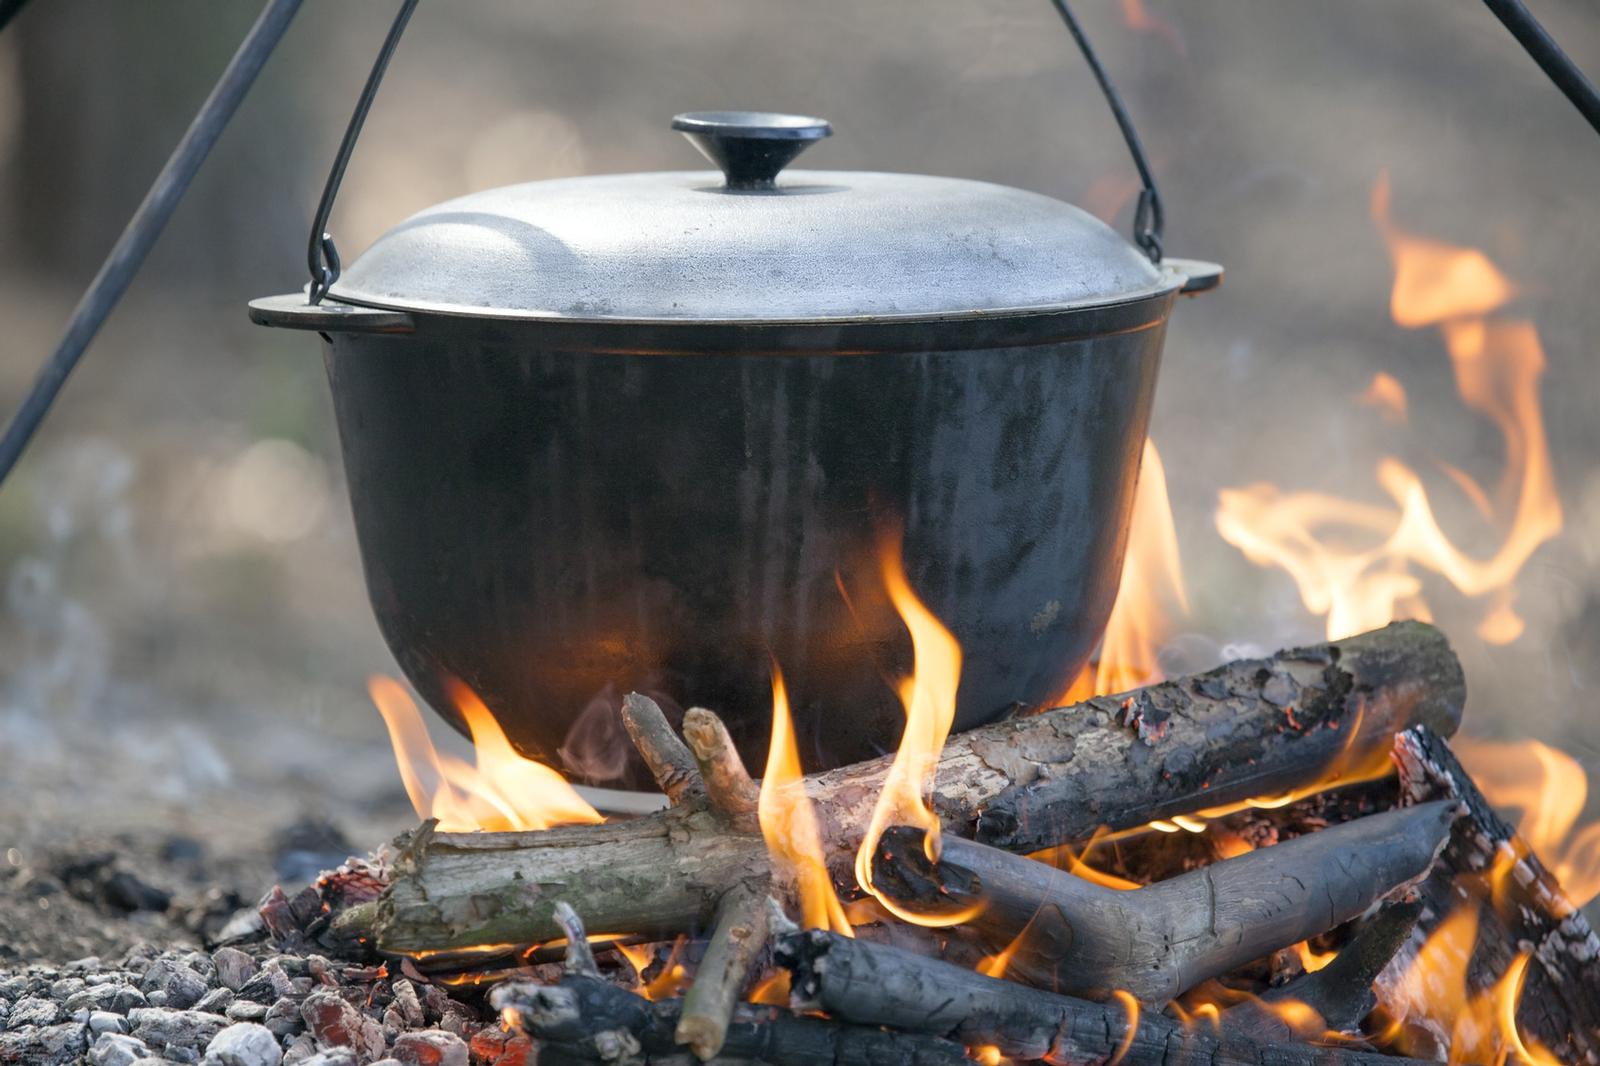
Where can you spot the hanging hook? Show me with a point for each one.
(1148, 218)
(322, 256)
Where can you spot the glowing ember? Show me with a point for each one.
(1151, 589)
(1548, 789)
(929, 695)
(501, 791)
(1077, 863)
(789, 825)
(1357, 563)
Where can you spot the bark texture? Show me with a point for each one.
(1248, 728)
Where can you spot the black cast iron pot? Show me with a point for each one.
(654, 431)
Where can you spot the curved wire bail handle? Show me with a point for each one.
(322, 256)
(1148, 218)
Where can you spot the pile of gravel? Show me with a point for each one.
(256, 1006)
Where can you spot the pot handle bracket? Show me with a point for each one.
(295, 311)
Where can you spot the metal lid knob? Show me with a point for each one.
(750, 147)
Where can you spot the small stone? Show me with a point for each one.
(88, 962)
(46, 1045)
(268, 985)
(407, 1003)
(459, 1019)
(283, 1017)
(32, 1010)
(431, 1047)
(158, 998)
(171, 1031)
(338, 1056)
(298, 1050)
(244, 1044)
(183, 987)
(117, 998)
(233, 967)
(244, 1010)
(216, 1001)
(117, 1049)
(334, 1022)
(66, 986)
(104, 1021)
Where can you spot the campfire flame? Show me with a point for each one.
(501, 791)
(1317, 538)
(1548, 789)
(929, 696)
(1432, 1001)
(1151, 589)
(789, 825)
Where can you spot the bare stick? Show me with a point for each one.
(669, 761)
(1249, 728)
(1159, 941)
(579, 959)
(727, 781)
(737, 938)
(587, 1020)
(871, 984)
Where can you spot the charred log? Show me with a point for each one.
(1520, 909)
(1247, 728)
(585, 1019)
(870, 984)
(1159, 941)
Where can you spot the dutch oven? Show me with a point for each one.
(655, 431)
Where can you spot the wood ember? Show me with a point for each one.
(1244, 729)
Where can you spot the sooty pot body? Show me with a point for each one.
(556, 526)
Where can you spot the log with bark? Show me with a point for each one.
(871, 984)
(1244, 729)
(1157, 942)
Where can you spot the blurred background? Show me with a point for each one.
(183, 625)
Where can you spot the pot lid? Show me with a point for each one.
(749, 246)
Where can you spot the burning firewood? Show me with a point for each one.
(584, 1018)
(1490, 902)
(1246, 729)
(872, 984)
(1159, 941)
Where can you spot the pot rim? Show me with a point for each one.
(863, 335)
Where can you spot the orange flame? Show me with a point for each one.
(1387, 395)
(772, 990)
(1433, 994)
(929, 696)
(1152, 585)
(789, 825)
(1063, 857)
(1548, 789)
(1498, 362)
(501, 791)
(1130, 1007)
